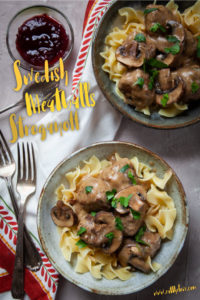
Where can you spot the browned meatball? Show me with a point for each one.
(91, 194)
(114, 176)
(134, 85)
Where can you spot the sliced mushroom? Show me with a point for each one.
(191, 77)
(132, 254)
(132, 53)
(136, 202)
(97, 229)
(174, 95)
(135, 254)
(109, 220)
(62, 215)
(160, 15)
(139, 96)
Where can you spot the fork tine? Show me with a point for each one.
(29, 163)
(24, 162)
(19, 163)
(34, 165)
(3, 153)
(9, 153)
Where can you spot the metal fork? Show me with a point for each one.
(26, 187)
(33, 260)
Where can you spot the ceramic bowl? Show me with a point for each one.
(49, 235)
(26, 14)
(112, 19)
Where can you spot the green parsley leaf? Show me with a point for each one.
(157, 26)
(124, 168)
(88, 189)
(118, 224)
(172, 39)
(125, 200)
(195, 87)
(164, 99)
(93, 213)
(198, 47)
(132, 178)
(156, 63)
(140, 234)
(114, 202)
(136, 214)
(149, 10)
(81, 230)
(140, 37)
(152, 78)
(110, 236)
(81, 244)
(175, 49)
(110, 194)
(139, 82)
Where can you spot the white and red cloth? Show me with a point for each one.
(97, 124)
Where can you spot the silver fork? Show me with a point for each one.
(26, 187)
(33, 260)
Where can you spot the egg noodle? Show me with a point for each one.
(160, 217)
(134, 21)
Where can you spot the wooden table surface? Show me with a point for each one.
(180, 148)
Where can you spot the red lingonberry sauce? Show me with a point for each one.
(41, 38)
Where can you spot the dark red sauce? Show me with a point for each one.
(41, 38)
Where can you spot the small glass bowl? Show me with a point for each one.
(26, 14)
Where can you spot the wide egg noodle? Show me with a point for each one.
(157, 197)
(160, 217)
(191, 18)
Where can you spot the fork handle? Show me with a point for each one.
(17, 288)
(33, 260)
(20, 102)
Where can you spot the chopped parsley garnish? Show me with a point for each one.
(157, 26)
(124, 201)
(140, 82)
(140, 37)
(139, 235)
(124, 168)
(195, 87)
(81, 244)
(93, 213)
(132, 178)
(198, 47)
(88, 189)
(136, 214)
(175, 49)
(110, 194)
(114, 202)
(156, 63)
(165, 99)
(110, 236)
(81, 230)
(152, 79)
(172, 39)
(118, 224)
(149, 10)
